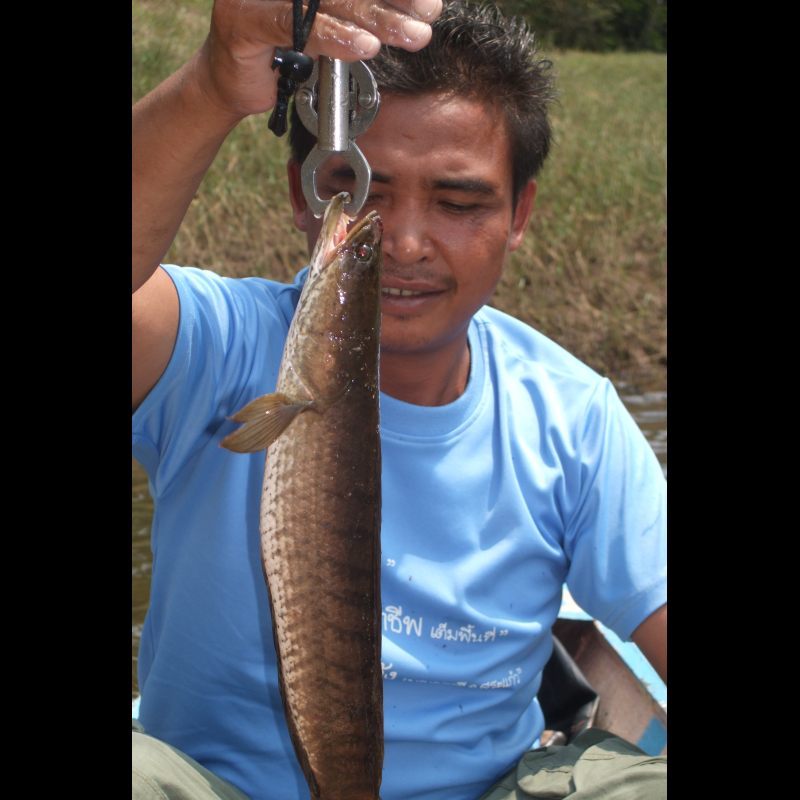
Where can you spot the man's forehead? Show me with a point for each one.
(436, 141)
(463, 183)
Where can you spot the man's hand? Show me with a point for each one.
(244, 33)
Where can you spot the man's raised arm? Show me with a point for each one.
(179, 127)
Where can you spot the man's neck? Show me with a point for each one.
(433, 378)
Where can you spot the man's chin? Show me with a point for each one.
(414, 337)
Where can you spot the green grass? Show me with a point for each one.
(592, 270)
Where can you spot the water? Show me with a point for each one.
(648, 409)
(650, 412)
(141, 559)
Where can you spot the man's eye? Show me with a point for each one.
(458, 208)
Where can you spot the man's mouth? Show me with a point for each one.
(412, 299)
(388, 291)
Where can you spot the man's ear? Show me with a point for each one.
(522, 214)
(296, 194)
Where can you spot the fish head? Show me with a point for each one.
(352, 258)
(360, 250)
(332, 233)
(341, 303)
(357, 262)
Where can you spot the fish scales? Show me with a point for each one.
(320, 517)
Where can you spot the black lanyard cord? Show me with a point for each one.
(293, 65)
(302, 26)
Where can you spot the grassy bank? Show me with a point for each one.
(592, 271)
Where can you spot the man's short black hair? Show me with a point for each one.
(479, 53)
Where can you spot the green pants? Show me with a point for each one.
(162, 772)
(596, 766)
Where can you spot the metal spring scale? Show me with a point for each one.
(336, 102)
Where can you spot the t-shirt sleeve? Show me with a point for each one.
(616, 538)
(226, 327)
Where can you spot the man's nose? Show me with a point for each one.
(406, 238)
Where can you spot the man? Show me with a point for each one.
(508, 466)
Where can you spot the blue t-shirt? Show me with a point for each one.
(535, 476)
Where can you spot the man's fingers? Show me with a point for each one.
(339, 39)
(362, 38)
(425, 10)
(392, 26)
(349, 29)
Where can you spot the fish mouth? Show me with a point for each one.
(370, 225)
(335, 235)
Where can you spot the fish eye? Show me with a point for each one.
(363, 251)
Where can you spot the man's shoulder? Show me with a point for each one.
(204, 289)
(523, 349)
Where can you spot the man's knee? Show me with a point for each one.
(150, 763)
(596, 766)
(162, 772)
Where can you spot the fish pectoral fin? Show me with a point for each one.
(265, 419)
(262, 405)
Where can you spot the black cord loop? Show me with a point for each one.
(294, 66)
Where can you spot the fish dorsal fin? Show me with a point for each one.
(265, 419)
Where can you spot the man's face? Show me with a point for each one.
(442, 184)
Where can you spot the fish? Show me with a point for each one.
(321, 511)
